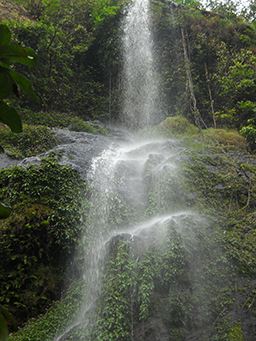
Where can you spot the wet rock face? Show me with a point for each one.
(78, 148)
(75, 149)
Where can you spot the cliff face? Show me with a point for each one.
(199, 288)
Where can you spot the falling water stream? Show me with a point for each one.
(128, 171)
(140, 78)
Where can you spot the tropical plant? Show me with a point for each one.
(12, 83)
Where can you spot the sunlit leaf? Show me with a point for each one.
(6, 83)
(11, 54)
(5, 35)
(4, 213)
(24, 85)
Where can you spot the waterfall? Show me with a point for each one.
(137, 192)
(140, 79)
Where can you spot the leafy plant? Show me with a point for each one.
(40, 234)
(102, 9)
(249, 132)
(32, 141)
(11, 81)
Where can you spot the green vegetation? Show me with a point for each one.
(47, 326)
(221, 63)
(40, 235)
(249, 132)
(176, 126)
(116, 303)
(71, 39)
(236, 333)
(78, 79)
(11, 81)
(32, 141)
(139, 290)
(225, 138)
(59, 120)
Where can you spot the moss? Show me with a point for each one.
(177, 125)
(222, 175)
(47, 326)
(240, 242)
(174, 126)
(62, 120)
(236, 333)
(40, 235)
(114, 316)
(32, 141)
(226, 138)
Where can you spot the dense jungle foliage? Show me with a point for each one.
(79, 58)
(207, 63)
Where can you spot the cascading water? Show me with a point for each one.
(136, 192)
(140, 79)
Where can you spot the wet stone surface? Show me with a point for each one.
(75, 149)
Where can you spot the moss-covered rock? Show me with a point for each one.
(225, 138)
(177, 125)
(173, 126)
(222, 174)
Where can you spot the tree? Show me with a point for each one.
(227, 8)
(239, 86)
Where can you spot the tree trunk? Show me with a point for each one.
(197, 116)
(210, 94)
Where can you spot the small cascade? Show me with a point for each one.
(138, 196)
(121, 179)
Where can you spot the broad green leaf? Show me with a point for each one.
(4, 212)
(3, 329)
(11, 54)
(6, 83)
(10, 117)
(4, 65)
(24, 85)
(5, 35)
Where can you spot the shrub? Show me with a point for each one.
(224, 137)
(249, 132)
(32, 141)
(178, 125)
(40, 234)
